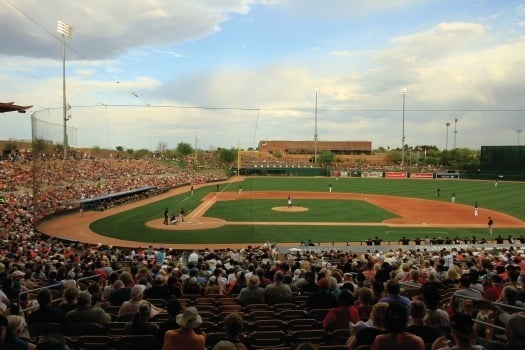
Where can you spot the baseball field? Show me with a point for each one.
(355, 210)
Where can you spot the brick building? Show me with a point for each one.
(308, 147)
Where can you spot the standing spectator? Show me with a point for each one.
(185, 337)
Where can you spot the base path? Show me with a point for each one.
(412, 212)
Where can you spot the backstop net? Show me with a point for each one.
(47, 147)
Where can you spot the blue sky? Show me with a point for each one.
(216, 73)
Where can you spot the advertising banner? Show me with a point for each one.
(395, 175)
(422, 176)
(447, 175)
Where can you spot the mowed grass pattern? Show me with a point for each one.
(507, 197)
(318, 211)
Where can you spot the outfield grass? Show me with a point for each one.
(130, 225)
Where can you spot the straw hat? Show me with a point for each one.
(189, 318)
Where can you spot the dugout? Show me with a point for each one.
(281, 171)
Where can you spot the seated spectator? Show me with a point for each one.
(436, 317)
(514, 331)
(278, 291)
(3, 331)
(17, 335)
(462, 333)
(185, 337)
(173, 308)
(396, 319)
(237, 284)
(418, 327)
(45, 313)
(253, 293)
(120, 293)
(158, 290)
(340, 316)
(213, 287)
(233, 324)
(309, 286)
(366, 334)
(131, 306)
(364, 302)
(393, 289)
(140, 323)
(464, 291)
(192, 286)
(493, 291)
(86, 313)
(69, 301)
(509, 296)
(322, 299)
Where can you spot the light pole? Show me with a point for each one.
(455, 131)
(315, 131)
(403, 92)
(66, 30)
(446, 141)
(518, 132)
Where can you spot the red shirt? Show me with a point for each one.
(339, 318)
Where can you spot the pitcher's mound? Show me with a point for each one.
(290, 209)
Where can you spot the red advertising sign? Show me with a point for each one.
(394, 175)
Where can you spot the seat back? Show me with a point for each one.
(264, 339)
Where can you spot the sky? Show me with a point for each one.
(227, 73)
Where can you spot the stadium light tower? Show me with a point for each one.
(446, 140)
(518, 132)
(67, 31)
(315, 132)
(403, 91)
(455, 131)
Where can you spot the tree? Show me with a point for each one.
(184, 149)
(227, 155)
(40, 146)
(119, 148)
(141, 153)
(327, 157)
(11, 146)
